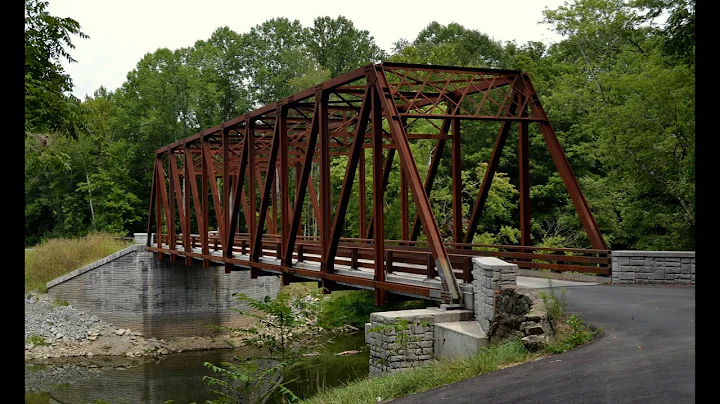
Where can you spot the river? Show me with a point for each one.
(177, 378)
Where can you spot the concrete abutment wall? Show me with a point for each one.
(133, 289)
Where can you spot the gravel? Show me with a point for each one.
(54, 329)
(53, 321)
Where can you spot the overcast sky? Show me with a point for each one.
(122, 32)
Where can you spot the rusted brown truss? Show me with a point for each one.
(246, 166)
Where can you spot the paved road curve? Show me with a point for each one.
(646, 355)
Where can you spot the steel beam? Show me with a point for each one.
(348, 181)
(421, 200)
(378, 191)
(266, 195)
(487, 179)
(524, 178)
(456, 169)
(302, 187)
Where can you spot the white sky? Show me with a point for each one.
(122, 32)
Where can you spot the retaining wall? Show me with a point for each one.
(133, 289)
(405, 339)
(656, 267)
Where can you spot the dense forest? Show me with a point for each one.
(619, 90)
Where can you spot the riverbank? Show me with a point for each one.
(54, 329)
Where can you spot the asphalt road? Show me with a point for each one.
(646, 355)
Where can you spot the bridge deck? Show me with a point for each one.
(409, 269)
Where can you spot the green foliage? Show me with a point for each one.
(450, 44)
(353, 307)
(48, 105)
(37, 397)
(36, 340)
(59, 303)
(568, 331)
(572, 333)
(347, 307)
(555, 305)
(280, 336)
(247, 380)
(337, 46)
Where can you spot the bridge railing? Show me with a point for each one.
(415, 257)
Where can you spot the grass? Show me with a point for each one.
(37, 340)
(436, 374)
(56, 257)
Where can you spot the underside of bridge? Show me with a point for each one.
(262, 182)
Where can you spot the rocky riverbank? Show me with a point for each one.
(54, 329)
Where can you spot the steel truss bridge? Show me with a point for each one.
(262, 178)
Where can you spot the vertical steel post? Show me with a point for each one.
(404, 231)
(189, 176)
(250, 138)
(284, 172)
(159, 181)
(172, 236)
(361, 195)
(151, 209)
(205, 205)
(456, 181)
(524, 177)
(225, 217)
(304, 184)
(379, 236)
(324, 181)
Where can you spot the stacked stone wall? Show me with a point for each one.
(490, 274)
(396, 345)
(653, 267)
(521, 313)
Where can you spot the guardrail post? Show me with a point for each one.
(467, 270)
(354, 258)
(430, 267)
(388, 261)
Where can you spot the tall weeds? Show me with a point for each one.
(56, 257)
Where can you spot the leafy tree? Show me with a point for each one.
(49, 106)
(339, 47)
(450, 45)
(679, 30)
(274, 53)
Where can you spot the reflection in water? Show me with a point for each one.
(177, 377)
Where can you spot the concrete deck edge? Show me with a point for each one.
(90, 267)
(672, 254)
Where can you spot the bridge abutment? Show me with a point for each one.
(133, 289)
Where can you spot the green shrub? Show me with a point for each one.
(354, 307)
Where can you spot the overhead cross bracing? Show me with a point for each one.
(262, 178)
